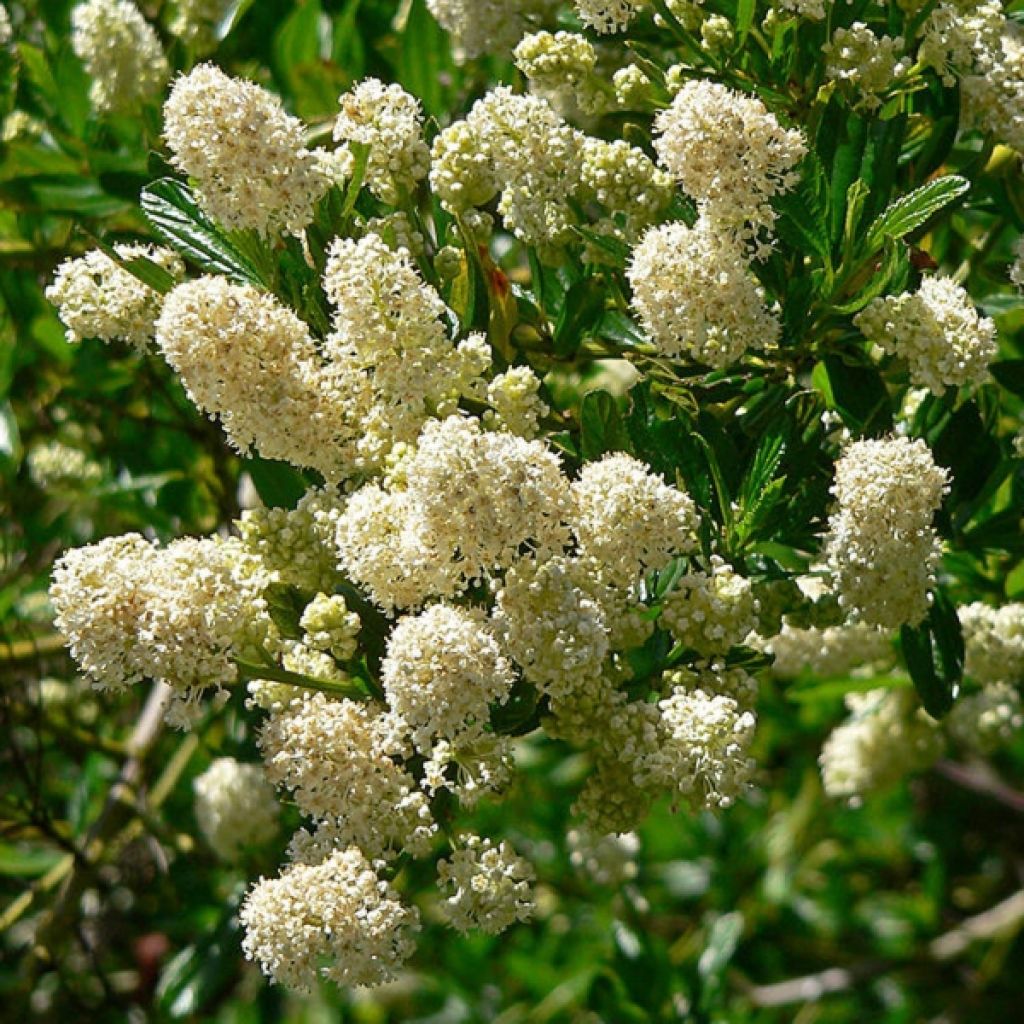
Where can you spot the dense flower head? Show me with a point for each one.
(130, 610)
(696, 296)
(466, 502)
(249, 360)
(335, 758)
(388, 120)
(957, 36)
(441, 672)
(54, 465)
(812, 10)
(487, 26)
(867, 62)
(607, 16)
(518, 146)
(993, 98)
(710, 612)
(337, 911)
(328, 625)
(489, 886)
(937, 330)
(551, 624)
(629, 519)
(881, 544)
(297, 544)
(121, 53)
(993, 642)
(728, 152)
(235, 806)
(830, 650)
(985, 721)
(701, 755)
(97, 298)
(886, 737)
(247, 157)
(560, 67)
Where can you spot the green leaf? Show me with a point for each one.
(285, 604)
(934, 655)
(277, 483)
(909, 212)
(140, 267)
(425, 64)
(196, 976)
(1009, 374)
(175, 217)
(581, 312)
(802, 222)
(857, 393)
(601, 426)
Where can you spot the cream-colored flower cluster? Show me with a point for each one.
(880, 544)
(886, 738)
(868, 63)
(490, 886)
(121, 53)
(936, 330)
(560, 67)
(97, 298)
(729, 153)
(235, 807)
(696, 296)
(488, 26)
(608, 16)
(247, 157)
(993, 642)
(389, 121)
(332, 919)
(196, 22)
(132, 610)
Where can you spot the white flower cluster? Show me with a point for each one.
(463, 505)
(868, 63)
(812, 10)
(1017, 267)
(605, 860)
(607, 16)
(987, 720)
(710, 612)
(629, 519)
(389, 121)
(885, 738)
(729, 153)
(196, 22)
(442, 670)
(335, 758)
(334, 919)
(994, 642)
(490, 886)
(695, 295)
(328, 625)
(389, 356)
(131, 610)
(249, 360)
(518, 146)
(560, 67)
(936, 330)
(830, 651)
(880, 543)
(956, 36)
(97, 298)
(701, 755)
(121, 54)
(297, 545)
(551, 623)
(54, 465)
(487, 26)
(235, 807)
(247, 157)
(516, 405)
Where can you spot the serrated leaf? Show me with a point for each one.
(909, 212)
(175, 217)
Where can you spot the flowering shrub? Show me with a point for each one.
(659, 359)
